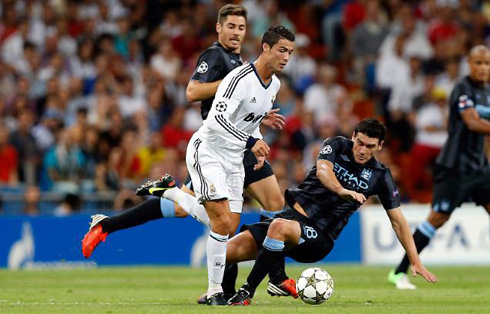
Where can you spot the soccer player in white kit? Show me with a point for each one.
(215, 152)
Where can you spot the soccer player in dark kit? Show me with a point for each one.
(462, 170)
(345, 175)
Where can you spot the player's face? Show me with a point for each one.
(232, 32)
(480, 66)
(279, 54)
(364, 147)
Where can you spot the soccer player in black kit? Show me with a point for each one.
(345, 175)
(462, 170)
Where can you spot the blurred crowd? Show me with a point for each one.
(93, 91)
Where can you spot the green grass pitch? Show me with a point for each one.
(358, 289)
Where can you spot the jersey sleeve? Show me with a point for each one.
(209, 67)
(230, 94)
(387, 191)
(331, 148)
(463, 97)
(465, 100)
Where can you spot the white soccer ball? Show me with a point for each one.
(314, 286)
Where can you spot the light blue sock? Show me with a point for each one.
(167, 207)
(268, 214)
(427, 229)
(273, 244)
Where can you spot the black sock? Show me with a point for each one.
(278, 273)
(421, 241)
(229, 279)
(138, 215)
(266, 260)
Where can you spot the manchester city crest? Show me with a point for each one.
(366, 174)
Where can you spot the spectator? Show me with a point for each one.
(301, 67)
(431, 135)
(446, 80)
(105, 25)
(122, 37)
(187, 43)
(82, 65)
(443, 28)
(286, 99)
(152, 154)
(173, 133)
(70, 204)
(407, 87)
(8, 159)
(416, 41)
(13, 46)
(129, 102)
(32, 198)
(67, 45)
(326, 96)
(366, 40)
(44, 132)
(166, 62)
(64, 165)
(25, 144)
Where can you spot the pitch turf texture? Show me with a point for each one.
(358, 289)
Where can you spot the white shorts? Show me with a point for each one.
(213, 177)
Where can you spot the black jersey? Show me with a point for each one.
(464, 149)
(213, 65)
(329, 211)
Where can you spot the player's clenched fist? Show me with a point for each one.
(260, 149)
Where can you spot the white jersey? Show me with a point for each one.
(241, 103)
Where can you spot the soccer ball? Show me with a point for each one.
(314, 286)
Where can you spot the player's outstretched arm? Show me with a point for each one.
(402, 230)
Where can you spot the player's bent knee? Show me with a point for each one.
(437, 219)
(278, 229)
(221, 224)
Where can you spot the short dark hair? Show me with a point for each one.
(274, 33)
(372, 128)
(231, 9)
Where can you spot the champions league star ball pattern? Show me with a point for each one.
(314, 286)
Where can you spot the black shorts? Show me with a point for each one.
(313, 245)
(251, 175)
(451, 189)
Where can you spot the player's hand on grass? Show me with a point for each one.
(260, 163)
(422, 271)
(274, 120)
(352, 196)
(260, 149)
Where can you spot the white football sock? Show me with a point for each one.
(189, 203)
(216, 259)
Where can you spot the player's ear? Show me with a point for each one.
(380, 145)
(218, 28)
(265, 47)
(353, 135)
